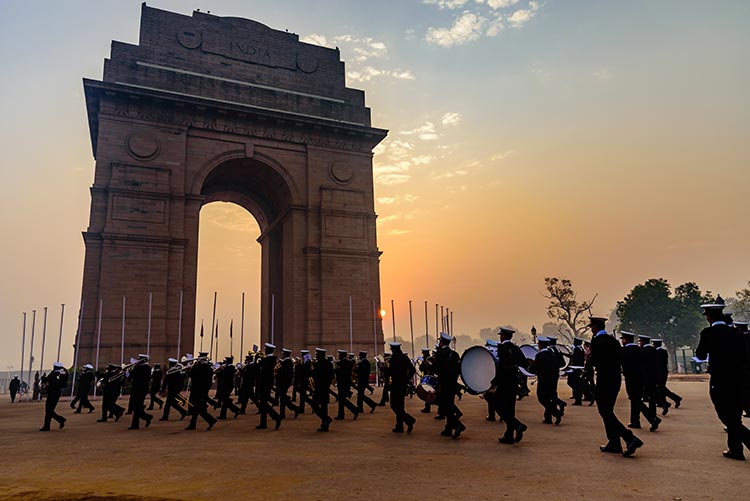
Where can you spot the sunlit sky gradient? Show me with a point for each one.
(604, 141)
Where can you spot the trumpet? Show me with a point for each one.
(124, 369)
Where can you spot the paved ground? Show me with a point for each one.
(93, 461)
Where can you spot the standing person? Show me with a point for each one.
(509, 360)
(632, 371)
(13, 387)
(37, 388)
(224, 387)
(726, 352)
(606, 358)
(322, 373)
(447, 368)
(266, 368)
(156, 384)
(83, 388)
(344, 370)
(402, 371)
(111, 384)
(302, 374)
(363, 370)
(174, 380)
(140, 375)
(55, 382)
(575, 374)
(201, 375)
(662, 357)
(284, 380)
(546, 365)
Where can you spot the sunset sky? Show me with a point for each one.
(603, 141)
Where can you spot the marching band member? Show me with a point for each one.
(606, 358)
(139, 377)
(575, 376)
(363, 370)
(401, 371)
(201, 375)
(509, 359)
(386, 379)
(173, 383)
(302, 374)
(447, 368)
(266, 369)
(155, 388)
(547, 365)
(284, 379)
(343, 371)
(224, 386)
(489, 396)
(82, 389)
(249, 374)
(111, 384)
(662, 357)
(427, 369)
(561, 363)
(322, 373)
(55, 382)
(632, 371)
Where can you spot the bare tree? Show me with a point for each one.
(564, 305)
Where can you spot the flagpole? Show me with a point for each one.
(179, 329)
(411, 328)
(59, 340)
(242, 329)
(44, 338)
(148, 335)
(426, 328)
(375, 340)
(98, 340)
(437, 332)
(231, 339)
(76, 346)
(201, 334)
(217, 340)
(351, 329)
(122, 336)
(31, 347)
(451, 323)
(442, 319)
(273, 315)
(393, 314)
(213, 324)
(23, 345)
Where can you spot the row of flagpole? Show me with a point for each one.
(443, 315)
(44, 340)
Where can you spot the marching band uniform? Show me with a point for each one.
(82, 389)
(546, 365)
(606, 358)
(575, 376)
(662, 357)
(725, 350)
(427, 369)
(632, 371)
(111, 388)
(249, 373)
(139, 377)
(509, 359)
(284, 381)
(561, 404)
(55, 381)
(343, 371)
(386, 378)
(302, 374)
(156, 380)
(489, 396)
(201, 375)
(447, 368)
(322, 373)
(224, 386)
(650, 376)
(266, 368)
(363, 368)
(173, 383)
(402, 371)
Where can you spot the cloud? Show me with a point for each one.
(447, 4)
(368, 73)
(451, 119)
(387, 200)
(391, 179)
(422, 160)
(387, 219)
(500, 4)
(523, 16)
(315, 39)
(502, 156)
(466, 28)
(398, 232)
(603, 75)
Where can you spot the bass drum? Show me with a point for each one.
(427, 389)
(529, 351)
(478, 367)
(566, 352)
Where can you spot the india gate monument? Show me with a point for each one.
(205, 109)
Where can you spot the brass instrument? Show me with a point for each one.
(123, 370)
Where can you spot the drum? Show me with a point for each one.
(478, 367)
(529, 351)
(427, 389)
(566, 353)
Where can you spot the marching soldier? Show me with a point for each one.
(344, 369)
(302, 374)
(249, 374)
(546, 365)
(266, 368)
(575, 374)
(139, 378)
(632, 371)
(284, 381)
(173, 383)
(111, 385)
(509, 360)
(402, 371)
(662, 357)
(386, 378)
(606, 358)
(589, 393)
(426, 368)
(726, 352)
(224, 387)
(201, 375)
(363, 369)
(447, 368)
(156, 381)
(322, 373)
(489, 396)
(82, 390)
(561, 363)
(55, 382)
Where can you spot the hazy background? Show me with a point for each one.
(604, 141)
